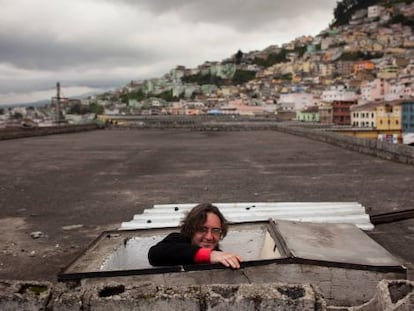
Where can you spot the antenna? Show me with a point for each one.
(58, 102)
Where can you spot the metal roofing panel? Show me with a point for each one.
(170, 215)
(334, 243)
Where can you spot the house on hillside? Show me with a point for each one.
(344, 68)
(407, 115)
(240, 107)
(374, 90)
(176, 108)
(388, 72)
(228, 91)
(297, 101)
(388, 115)
(341, 112)
(375, 11)
(325, 70)
(325, 113)
(407, 10)
(338, 93)
(310, 114)
(400, 89)
(364, 115)
(365, 65)
(193, 108)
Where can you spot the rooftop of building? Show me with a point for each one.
(72, 187)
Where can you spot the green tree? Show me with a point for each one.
(138, 95)
(96, 108)
(300, 50)
(243, 76)
(354, 56)
(401, 19)
(78, 108)
(238, 57)
(167, 95)
(201, 79)
(17, 116)
(346, 8)
(271, 59)
(284, 77)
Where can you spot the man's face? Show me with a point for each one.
(209, 235)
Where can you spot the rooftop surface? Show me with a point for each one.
(58, 193)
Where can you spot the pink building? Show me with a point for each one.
(374, 90)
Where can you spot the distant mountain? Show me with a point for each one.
(39, 103)
(43, 102)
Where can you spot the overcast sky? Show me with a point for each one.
(96, 44)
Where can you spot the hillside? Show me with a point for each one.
(379, 35)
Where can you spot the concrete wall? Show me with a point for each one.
(395, 152)
(19, 295)
(339, 286)
(13, 133)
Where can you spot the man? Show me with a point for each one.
(197, 241)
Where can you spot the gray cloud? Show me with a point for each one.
(96, 41)
(244, 15)
(46, 52)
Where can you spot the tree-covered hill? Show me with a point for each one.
(346, 8)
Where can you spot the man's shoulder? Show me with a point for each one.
(176, 236)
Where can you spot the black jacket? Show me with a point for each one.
(174, 249)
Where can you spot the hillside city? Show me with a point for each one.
(359, 74)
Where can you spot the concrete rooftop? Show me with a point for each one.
(72, 187)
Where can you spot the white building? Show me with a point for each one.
(338, 93)
(375, 11)
(363, 115)
(399, 90)
(296, 101)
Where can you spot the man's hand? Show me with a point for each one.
(226, 259)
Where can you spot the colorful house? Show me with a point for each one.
(407, 121)
(407, 116)
(310, 114)
(341, 113)
(325, 113)
(364, 115)
(363, 66)
(388, 115)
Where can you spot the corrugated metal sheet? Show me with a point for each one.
(170, 215)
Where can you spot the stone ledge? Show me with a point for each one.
(24, 295)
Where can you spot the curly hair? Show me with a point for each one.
(196, 218)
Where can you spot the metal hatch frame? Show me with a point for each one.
(287, 257)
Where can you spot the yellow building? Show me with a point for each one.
(387, 126)
(388, 116)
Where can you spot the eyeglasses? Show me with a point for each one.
(214, 231)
